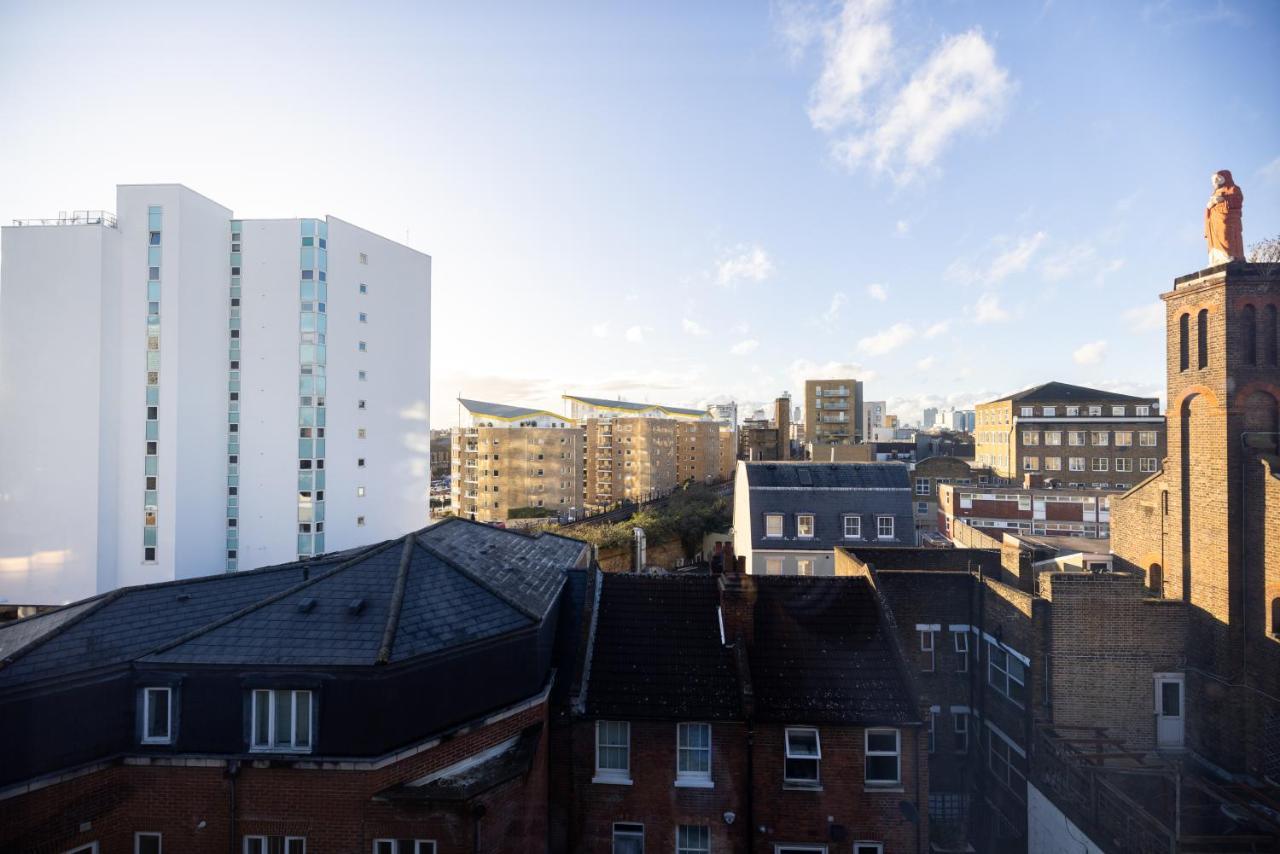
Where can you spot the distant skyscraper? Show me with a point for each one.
(726, 412)
(217, 393)
(930, 417)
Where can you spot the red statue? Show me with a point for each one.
(1222, 220)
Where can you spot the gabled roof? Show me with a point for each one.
(1052, 392)
(849, 476)
(821, 655)
(658, 652)
(454, 583)
(504, 412)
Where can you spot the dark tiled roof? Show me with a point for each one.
(451, 584)
(830, 491)
(658, 653)
(1055, 391)
(23, 632)
(468, 779)
(505, 411)
(821, 656)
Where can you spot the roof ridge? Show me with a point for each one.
(481, 582)
(106, 599)
(397, 599)
(275, 597)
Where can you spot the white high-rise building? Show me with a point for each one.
(873, 413)
(187, 393)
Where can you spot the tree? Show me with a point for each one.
(1265, 251)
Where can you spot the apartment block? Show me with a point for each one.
(833, 411)
(512, 462)
(227, 393)
(1081, 437)
(697, 451)
(1022, 510)
(629, 458)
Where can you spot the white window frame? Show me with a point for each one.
(1006, 673)
(922, 486)
(1074, 435)
(630, 830)
(271, 746)
(1148, 438)
(617, 776)
(1027, 411)
(1123, 464)
(804, 566)
(961, 642)
(420, 846)
(800, 535)
(1075, 464)
(685, 847)
(798, 848)
(1117, 411)
(863, 846)
(1142, 411)
(767, 518)
(1048, 411)
(138, 837)
(1124, 438)
(857, 520)
(1073, 411)
(1095, 411)
(695, 779)
(816, 757)
(928, 643)
(167, 738)
(896, 753)
(960, 727)
(1147, 465)
(265, 840)
(880, 534)
(1101, 463)
(1053, 437)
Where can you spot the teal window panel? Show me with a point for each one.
(233, 501)
(153, 360)
(233, 406)
(307, 322)
(306, 353)
(322, 291)
(153, 291)
(308, 258)
(233, 385)
(235, 259)
(235, 289)
(153, 256)
(323, 258)
(319, 511)
(233, 481)
(320, 479)
(322, 323)
(319, 544)
(155, 217)
(320, 419)
(237, 225)
(308, 241)
(321, 354)
(320, 448)
(306, 416)
(321, 384)
(306, 385)
(308, 227)
(307, 291)
(322, 228)
(153, 395)
(148, 536)
(235, 322)
(153, 431)
(150, 465)
(304, 544)
(233, 417)
(306, 447)
(306, 480)
(149, 498)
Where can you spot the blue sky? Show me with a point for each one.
(682, 202)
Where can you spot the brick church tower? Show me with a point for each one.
(1206, 530)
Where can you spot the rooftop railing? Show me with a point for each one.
(106, 218)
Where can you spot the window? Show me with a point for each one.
(882, 757)
(961, 641)
(853, 527)
(1184, 342)
(773, 566)
(960, 729)
(359, 492)
(868, 848)
(404, 846)
(1124, 438)
(1006, 764)
(884, 527)
(359, 521)
(1202, 338)
(628, 838)
(804, 525)
(364, 318)
(927, 637)
(1053, 437)
(773, 524)
(1075, 463)
(360, 404)
(1100, 438)
(804, 566)
(1095, 411)
(693, 754)
(922, 508)
(1147, 438)
(362, 376)
(1075, 437)
(364, 289)
(922, 486)
(147, 843)
(275, 845)
(1006, 673)
(933, 718)
(1142, 410)
(1100, 463)
(1123, 464)
(1030, 463)
(364, 259)
(282, 720)
(803, 755)
(362, 346)
(1147, 464)
(693, 839)
(1027, 411)
(1031, 437)
(360, 433)
(1053, 463)
(157, 716)
(1117, 411)
(1073, 411)
(613, 752)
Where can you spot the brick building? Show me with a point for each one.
(710, 718)
(928, 474)
(292, 707)
(833, 412)
(1034, 510)
(1078, 436)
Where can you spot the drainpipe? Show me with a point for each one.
(233, 769)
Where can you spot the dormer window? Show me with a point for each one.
(773, 524)
(804, 525)
(282, 720)
(157, 716)
(884, 527)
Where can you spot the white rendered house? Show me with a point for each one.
(203, 393)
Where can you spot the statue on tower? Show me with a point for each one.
(1222, 220)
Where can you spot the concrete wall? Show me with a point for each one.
(1049, 831)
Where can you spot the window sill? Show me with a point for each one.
(282, 751)
(157, 742)
(612, 781)
(693, 783)
(885, 788)
(796, 786)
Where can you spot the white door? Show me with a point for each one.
(1170, 709)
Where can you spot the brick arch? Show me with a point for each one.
(1190, 392)
(1244, 392)
(1155, 580)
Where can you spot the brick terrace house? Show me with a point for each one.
(762, 714)
(293, 708)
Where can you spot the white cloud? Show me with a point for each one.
(1012, 260)
(877, 292)
(635, 334)
(1091, 353)
(600, 330)
(988, 310)
(832, 314)
(926, 363)
(804, 369)
(937, 329)
(743, 348)
(1146, 318)
(742, 263)
(693, 327)
(896, 128)
(887, 340)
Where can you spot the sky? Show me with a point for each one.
(686, 203)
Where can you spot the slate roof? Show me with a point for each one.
(829, 491)
(450, 584)
(658, 653)
(505, 411)
(469, 778)
(1053, 392)
(821, 656)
